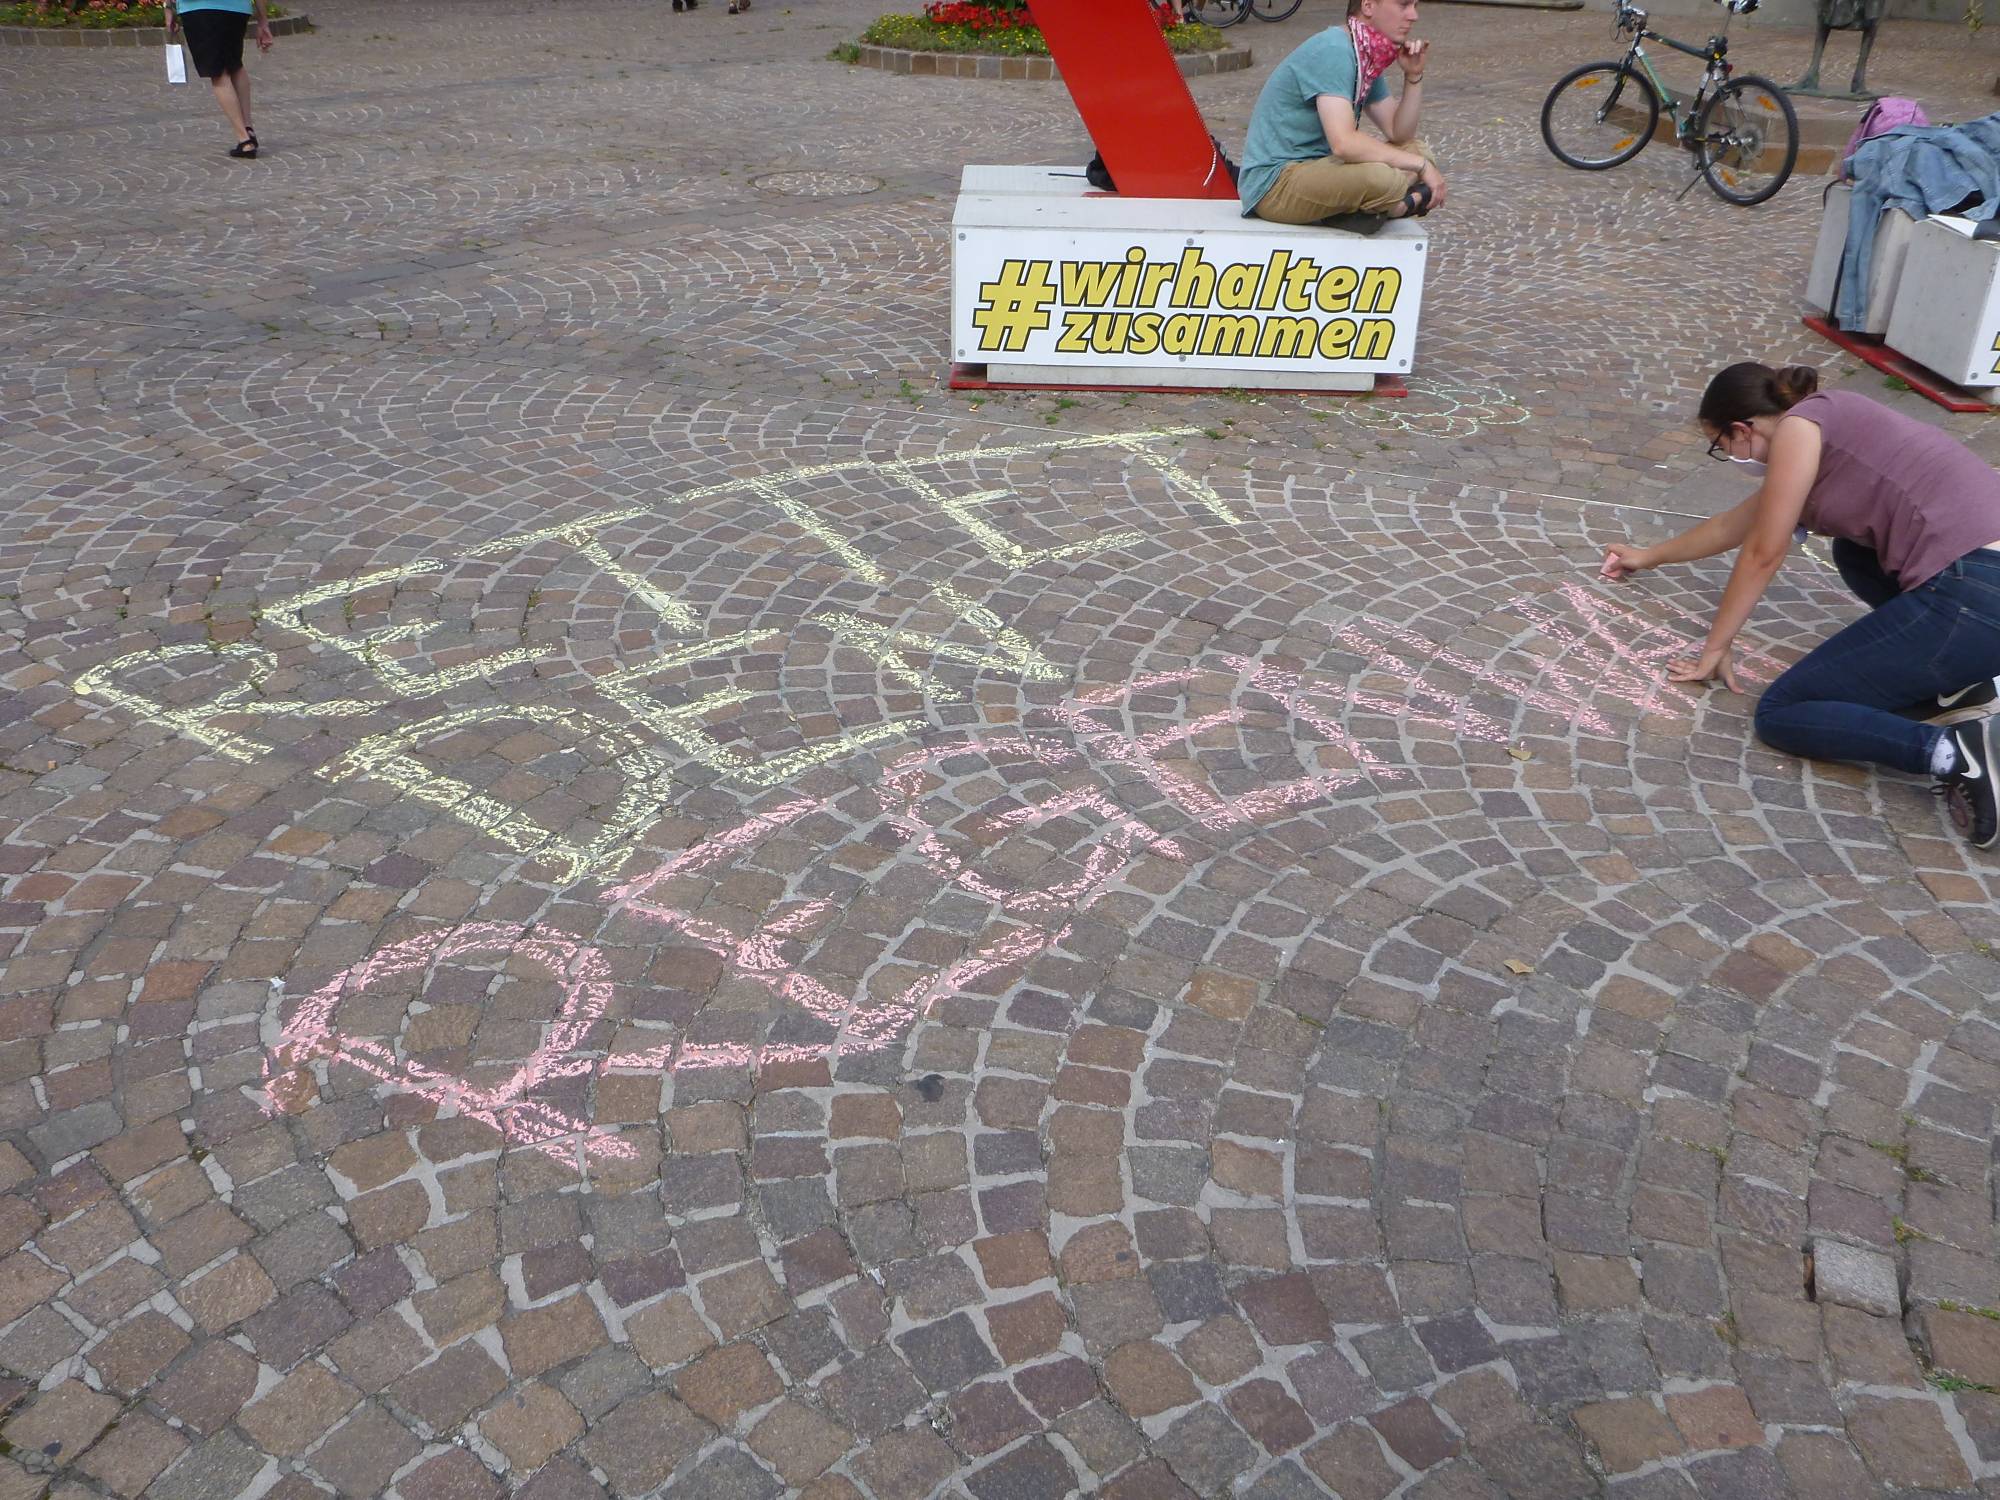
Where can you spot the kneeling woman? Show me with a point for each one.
(1915, 521)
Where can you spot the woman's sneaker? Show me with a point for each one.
(1968, 788)
(1974, 702)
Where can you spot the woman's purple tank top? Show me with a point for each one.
(1919, 497)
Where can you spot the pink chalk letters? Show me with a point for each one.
(1606, 651)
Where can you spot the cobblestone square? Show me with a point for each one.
(606, 890)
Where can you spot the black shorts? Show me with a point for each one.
(215, 40)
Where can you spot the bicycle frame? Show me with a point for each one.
(1714, 55)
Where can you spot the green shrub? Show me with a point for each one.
(918, 34)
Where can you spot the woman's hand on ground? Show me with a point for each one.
(1714, 662)
(1622, 560)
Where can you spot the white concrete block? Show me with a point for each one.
(1947, 312)
(1823, 281)
(989, 182)
(1885, 270)
(1179, 377)
(1115, 289)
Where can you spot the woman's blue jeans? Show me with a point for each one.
(1841, 702)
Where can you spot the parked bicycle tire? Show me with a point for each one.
(1218, 12)
(1737, 136)
(1275, 10)
(1577, 123)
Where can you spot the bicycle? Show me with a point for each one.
(1229, 12)
(1744, 135)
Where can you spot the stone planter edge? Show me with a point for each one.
(126, 36)
(1032, 69)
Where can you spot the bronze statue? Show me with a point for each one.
(1843, 15)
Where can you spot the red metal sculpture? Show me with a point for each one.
(1134, 102)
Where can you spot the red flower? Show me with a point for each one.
(977, 17)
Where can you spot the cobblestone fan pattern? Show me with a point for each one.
(606, 891)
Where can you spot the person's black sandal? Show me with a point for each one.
(1417, 201)
(245, 149)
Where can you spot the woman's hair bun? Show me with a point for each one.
(1748, 390)
(1794, 383)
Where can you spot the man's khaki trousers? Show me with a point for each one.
(1325, 188)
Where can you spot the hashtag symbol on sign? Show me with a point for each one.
(1014, 306)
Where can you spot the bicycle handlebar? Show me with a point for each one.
(1631, 18)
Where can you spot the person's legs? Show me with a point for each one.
(239, 78)
(1861, 570)
(1309, 191)
(215, 40)
(225, 95)
(1838, 703)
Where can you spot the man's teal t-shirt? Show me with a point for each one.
(241, 7)
(1285, 125)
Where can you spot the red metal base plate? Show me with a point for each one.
(973, 378)
(1924, 382)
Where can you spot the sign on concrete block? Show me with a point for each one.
(1947, 313)
(1093, 284)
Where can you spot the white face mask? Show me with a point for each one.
(1755, 465)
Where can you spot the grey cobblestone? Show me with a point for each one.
(1251, 1165)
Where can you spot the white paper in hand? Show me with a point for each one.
(177, 68)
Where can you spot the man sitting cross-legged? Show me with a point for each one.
(1308, 159)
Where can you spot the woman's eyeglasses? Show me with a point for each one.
(1715, 448)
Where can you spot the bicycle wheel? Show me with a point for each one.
(1274, 10)
(1748, 136)
(1599, 115)
(1217, 12)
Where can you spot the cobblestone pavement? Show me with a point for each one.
(606, 890)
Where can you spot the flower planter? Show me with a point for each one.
(1034, 69)
(119, 36)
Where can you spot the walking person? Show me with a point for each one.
(1915, 520)
(215, 31)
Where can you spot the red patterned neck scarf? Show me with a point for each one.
(1373, 52)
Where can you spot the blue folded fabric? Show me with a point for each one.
(1923, 170)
